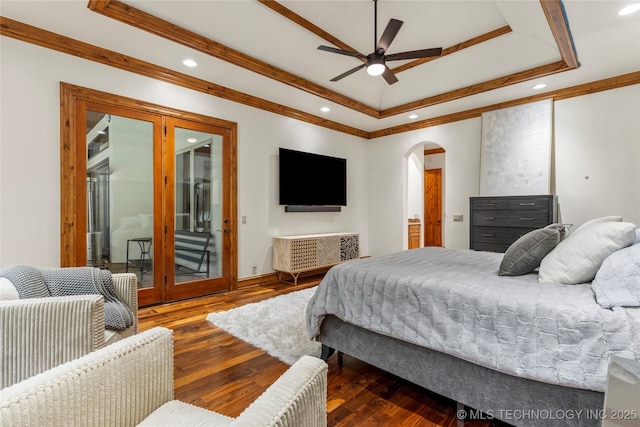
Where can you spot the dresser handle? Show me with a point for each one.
(527, 219)
(488, 204)
(490, 218)
(487, 235)
(528, 204)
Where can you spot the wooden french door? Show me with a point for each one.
(198, 196)
(148, 190)
(433, 207)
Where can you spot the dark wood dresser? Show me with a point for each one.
(497, 222)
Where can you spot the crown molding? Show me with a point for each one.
(130, 15)
(50, 40)
(623, 80)
(144, 21)
(57, 42)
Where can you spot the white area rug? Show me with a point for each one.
(276, 325)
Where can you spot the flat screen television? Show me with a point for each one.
(308, 179)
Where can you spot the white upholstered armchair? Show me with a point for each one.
(37, 334)
(131, 383)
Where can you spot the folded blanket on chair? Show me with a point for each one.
(33, 282)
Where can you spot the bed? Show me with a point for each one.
(527, 352)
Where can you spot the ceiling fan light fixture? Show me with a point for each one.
(375, 61)
(375, 69)
(375, 65)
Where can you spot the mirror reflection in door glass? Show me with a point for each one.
(120, 195)
(198, 198)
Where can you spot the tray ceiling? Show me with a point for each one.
(269, 49)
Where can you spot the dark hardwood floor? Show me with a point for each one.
(217, 371)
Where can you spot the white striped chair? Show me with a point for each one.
(131, 383)
(37, 334)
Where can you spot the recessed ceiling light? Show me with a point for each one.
(325, 109)
(413, 116)
(190, 63)
(629, 9)
(192, 140)
(539, 86)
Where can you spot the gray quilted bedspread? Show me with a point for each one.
(453, 301)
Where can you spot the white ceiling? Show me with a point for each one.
(607, 45)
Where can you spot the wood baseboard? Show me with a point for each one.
(267, 278)
(264, 279)
(261, 279)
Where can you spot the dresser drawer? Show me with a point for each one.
(533, 203)
(500, 235)
(530, 219)
(489, 203)
(490, 247)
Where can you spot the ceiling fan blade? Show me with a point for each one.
(347, 73)
(389, 34)
(341, 51)
(389, 76)
(414, 54)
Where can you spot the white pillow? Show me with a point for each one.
(617, 283)
(7, 290)
(578, 257)
(611, 218)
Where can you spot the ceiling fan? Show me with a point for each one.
(376, 61)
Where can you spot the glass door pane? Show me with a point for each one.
(198, 205)
(120, 196)
(128, 189)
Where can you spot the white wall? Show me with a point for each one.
(597, 155)
(30, 157)
(388, 202)
(415, 184)
(434, 161)
(595, 136)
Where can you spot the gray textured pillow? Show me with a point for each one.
(524, 255)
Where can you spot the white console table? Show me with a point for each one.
(296, 254)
